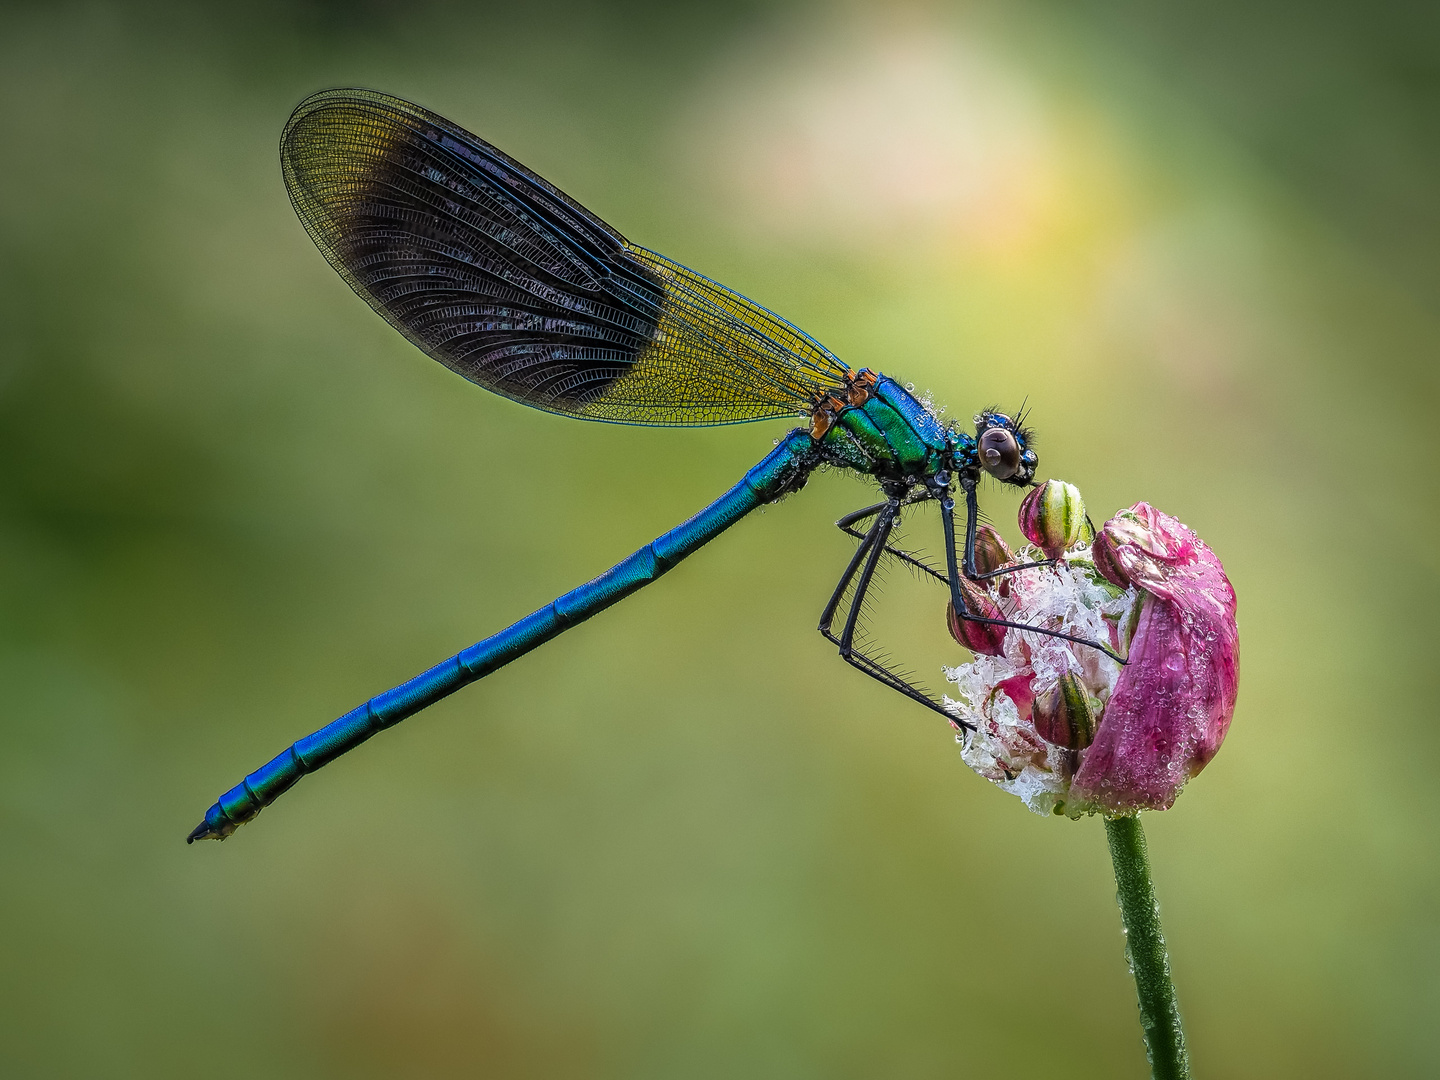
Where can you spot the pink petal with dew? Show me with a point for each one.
(1020, 690)
(1172, 704)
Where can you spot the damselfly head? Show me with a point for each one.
(1002, 447)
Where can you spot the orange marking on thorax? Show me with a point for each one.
(828, 407)
(827, 410)
(860, 387)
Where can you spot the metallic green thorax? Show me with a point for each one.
(891, 436)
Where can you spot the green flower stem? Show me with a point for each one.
(1145, 949)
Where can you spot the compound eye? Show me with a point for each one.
(999, 453)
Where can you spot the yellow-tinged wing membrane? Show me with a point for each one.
(507, 281)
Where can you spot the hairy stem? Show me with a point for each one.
(1145, 949)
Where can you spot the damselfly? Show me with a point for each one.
(513, 285)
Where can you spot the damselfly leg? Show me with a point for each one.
(847, 526)
(873, 546)
(972, 521)
(957, 597)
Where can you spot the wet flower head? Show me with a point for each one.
(1064, 726)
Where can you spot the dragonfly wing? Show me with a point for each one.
(507, 281)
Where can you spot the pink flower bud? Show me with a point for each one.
(1064, 715)
(991, 551)
(1052, 517)
(985, 639)
(1106, 565)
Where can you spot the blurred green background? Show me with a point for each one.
(685, 840)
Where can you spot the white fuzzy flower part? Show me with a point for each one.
(994, 693)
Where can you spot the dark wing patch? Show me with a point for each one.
(507, 281)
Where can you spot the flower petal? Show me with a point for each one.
(1173, 702)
